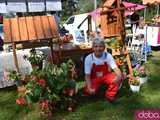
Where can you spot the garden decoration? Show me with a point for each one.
(52, 87)
(112, 26)
(35, 58)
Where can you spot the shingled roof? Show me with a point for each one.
(32, 28)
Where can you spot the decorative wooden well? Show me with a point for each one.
(112, 25)
(32, 29)
(112, 13)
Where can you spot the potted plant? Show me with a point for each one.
(142, 75)
(134, 84)
(134, 80)
(16, 77)
(35, 58)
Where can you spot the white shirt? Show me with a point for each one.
(139, 31)
(91, 58)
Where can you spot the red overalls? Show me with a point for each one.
(101, 75)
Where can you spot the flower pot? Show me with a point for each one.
(135, 88)
(143, 80)
(21, 89)
(37, 66)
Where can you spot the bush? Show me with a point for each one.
(52, 88)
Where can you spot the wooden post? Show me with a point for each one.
(51, 47)
(129, 63)
(89, 24)
(60, 45)
(15, 56)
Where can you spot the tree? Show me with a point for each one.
(69, 7)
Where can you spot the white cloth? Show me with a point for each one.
(152, 35)
(91, 58)
(7, 63)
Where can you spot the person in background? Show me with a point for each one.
(97, 72)
(135, 19)
(1, 44)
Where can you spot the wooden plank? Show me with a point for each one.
(53, 26)
(15, 30)
(23, 29)
(31, 28)
(38, 27)
(7, 31)
(46, 27)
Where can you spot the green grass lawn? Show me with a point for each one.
(93, 108)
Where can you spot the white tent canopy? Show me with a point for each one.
(29, 5)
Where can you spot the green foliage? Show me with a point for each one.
(135, 72)
(68, 9)
(86, 6)
(14, 76)
(51, 87)
(35, 57)
(122, 110)
(134, 81)
(150, 12)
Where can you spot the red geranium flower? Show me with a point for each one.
(44, 104)
(42, 82)
(20, 101)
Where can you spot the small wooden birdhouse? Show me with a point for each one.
(112, 13)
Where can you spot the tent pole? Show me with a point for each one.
(95, 7)
(157, 9)
(145, 11)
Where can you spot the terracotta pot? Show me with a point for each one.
(135, 88)
(21, 89)
(143, 80)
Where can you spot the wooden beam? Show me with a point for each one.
(51, 47)
(15, 57)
